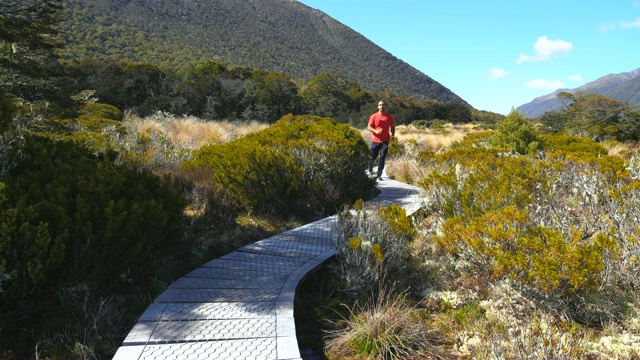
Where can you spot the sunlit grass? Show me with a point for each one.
(415, 139)
(190, 132)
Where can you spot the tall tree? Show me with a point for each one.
(27, 47)
(595, 115)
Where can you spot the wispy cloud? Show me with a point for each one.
(544, 49)
(624, 25)
(545, 84)
(575, 78)
(635, 24)
(497, 73)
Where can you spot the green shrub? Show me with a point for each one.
(96, 127)
(505, 243)
(569, 143)
(517, 133)
(468, 182)
(560, 222)
(71, 220)
(299, 166)
(103, 111)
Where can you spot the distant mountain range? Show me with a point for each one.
(623, 87)
(285, 36)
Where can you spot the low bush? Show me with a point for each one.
(517, 133)
(77, 233)
(504, 243)
(559, 223)
(300, 166)
(373, 249)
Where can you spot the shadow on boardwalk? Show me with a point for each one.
(240, 306)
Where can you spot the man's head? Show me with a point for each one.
(382, 106)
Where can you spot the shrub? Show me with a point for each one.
(517, 133)
(374, 248)
(561, 222)
(505, 243)
(468, 182)
(301, 165)
(72, 220)
(575, 144)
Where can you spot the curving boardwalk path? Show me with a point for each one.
(240, 306)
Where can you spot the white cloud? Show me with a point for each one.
(575, 78)
(624, 25)
(635, 24)
(545, 84)
(497, 73)
(605, 28)
(544, 49)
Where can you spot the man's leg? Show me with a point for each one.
(384, 147)
(375, 150)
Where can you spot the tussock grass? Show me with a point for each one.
(434, 139)
(388, 330)
(414, 139)
(190, 132)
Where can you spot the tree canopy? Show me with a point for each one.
(27, 47)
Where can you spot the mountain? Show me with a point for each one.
(623, 87)
(285, 36)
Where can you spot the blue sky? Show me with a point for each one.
(499, 54)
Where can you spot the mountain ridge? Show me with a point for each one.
(285, 36)
(622, 86)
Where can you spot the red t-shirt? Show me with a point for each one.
(384, 122)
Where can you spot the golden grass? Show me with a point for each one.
(191, 132)
(435, 139)
(414, 139)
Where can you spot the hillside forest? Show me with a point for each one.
(117, 178)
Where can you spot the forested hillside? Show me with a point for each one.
(276, 35)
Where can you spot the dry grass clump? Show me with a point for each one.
(414, 139)
(389, 330)
(434, 139)
(189, 132)
(406, 169)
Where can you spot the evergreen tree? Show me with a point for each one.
(27, 48)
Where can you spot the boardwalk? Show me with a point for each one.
(240, 306)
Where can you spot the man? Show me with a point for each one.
(382, 127)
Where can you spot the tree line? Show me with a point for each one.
(214, 91)
(594, 116)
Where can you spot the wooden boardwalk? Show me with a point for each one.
(240, 306)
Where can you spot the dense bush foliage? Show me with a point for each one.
(301, 165)
(516, 133)
(556, 222)
(75, 229)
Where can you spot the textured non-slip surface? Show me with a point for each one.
(240, 306)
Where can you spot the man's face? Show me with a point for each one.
(382, 106)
